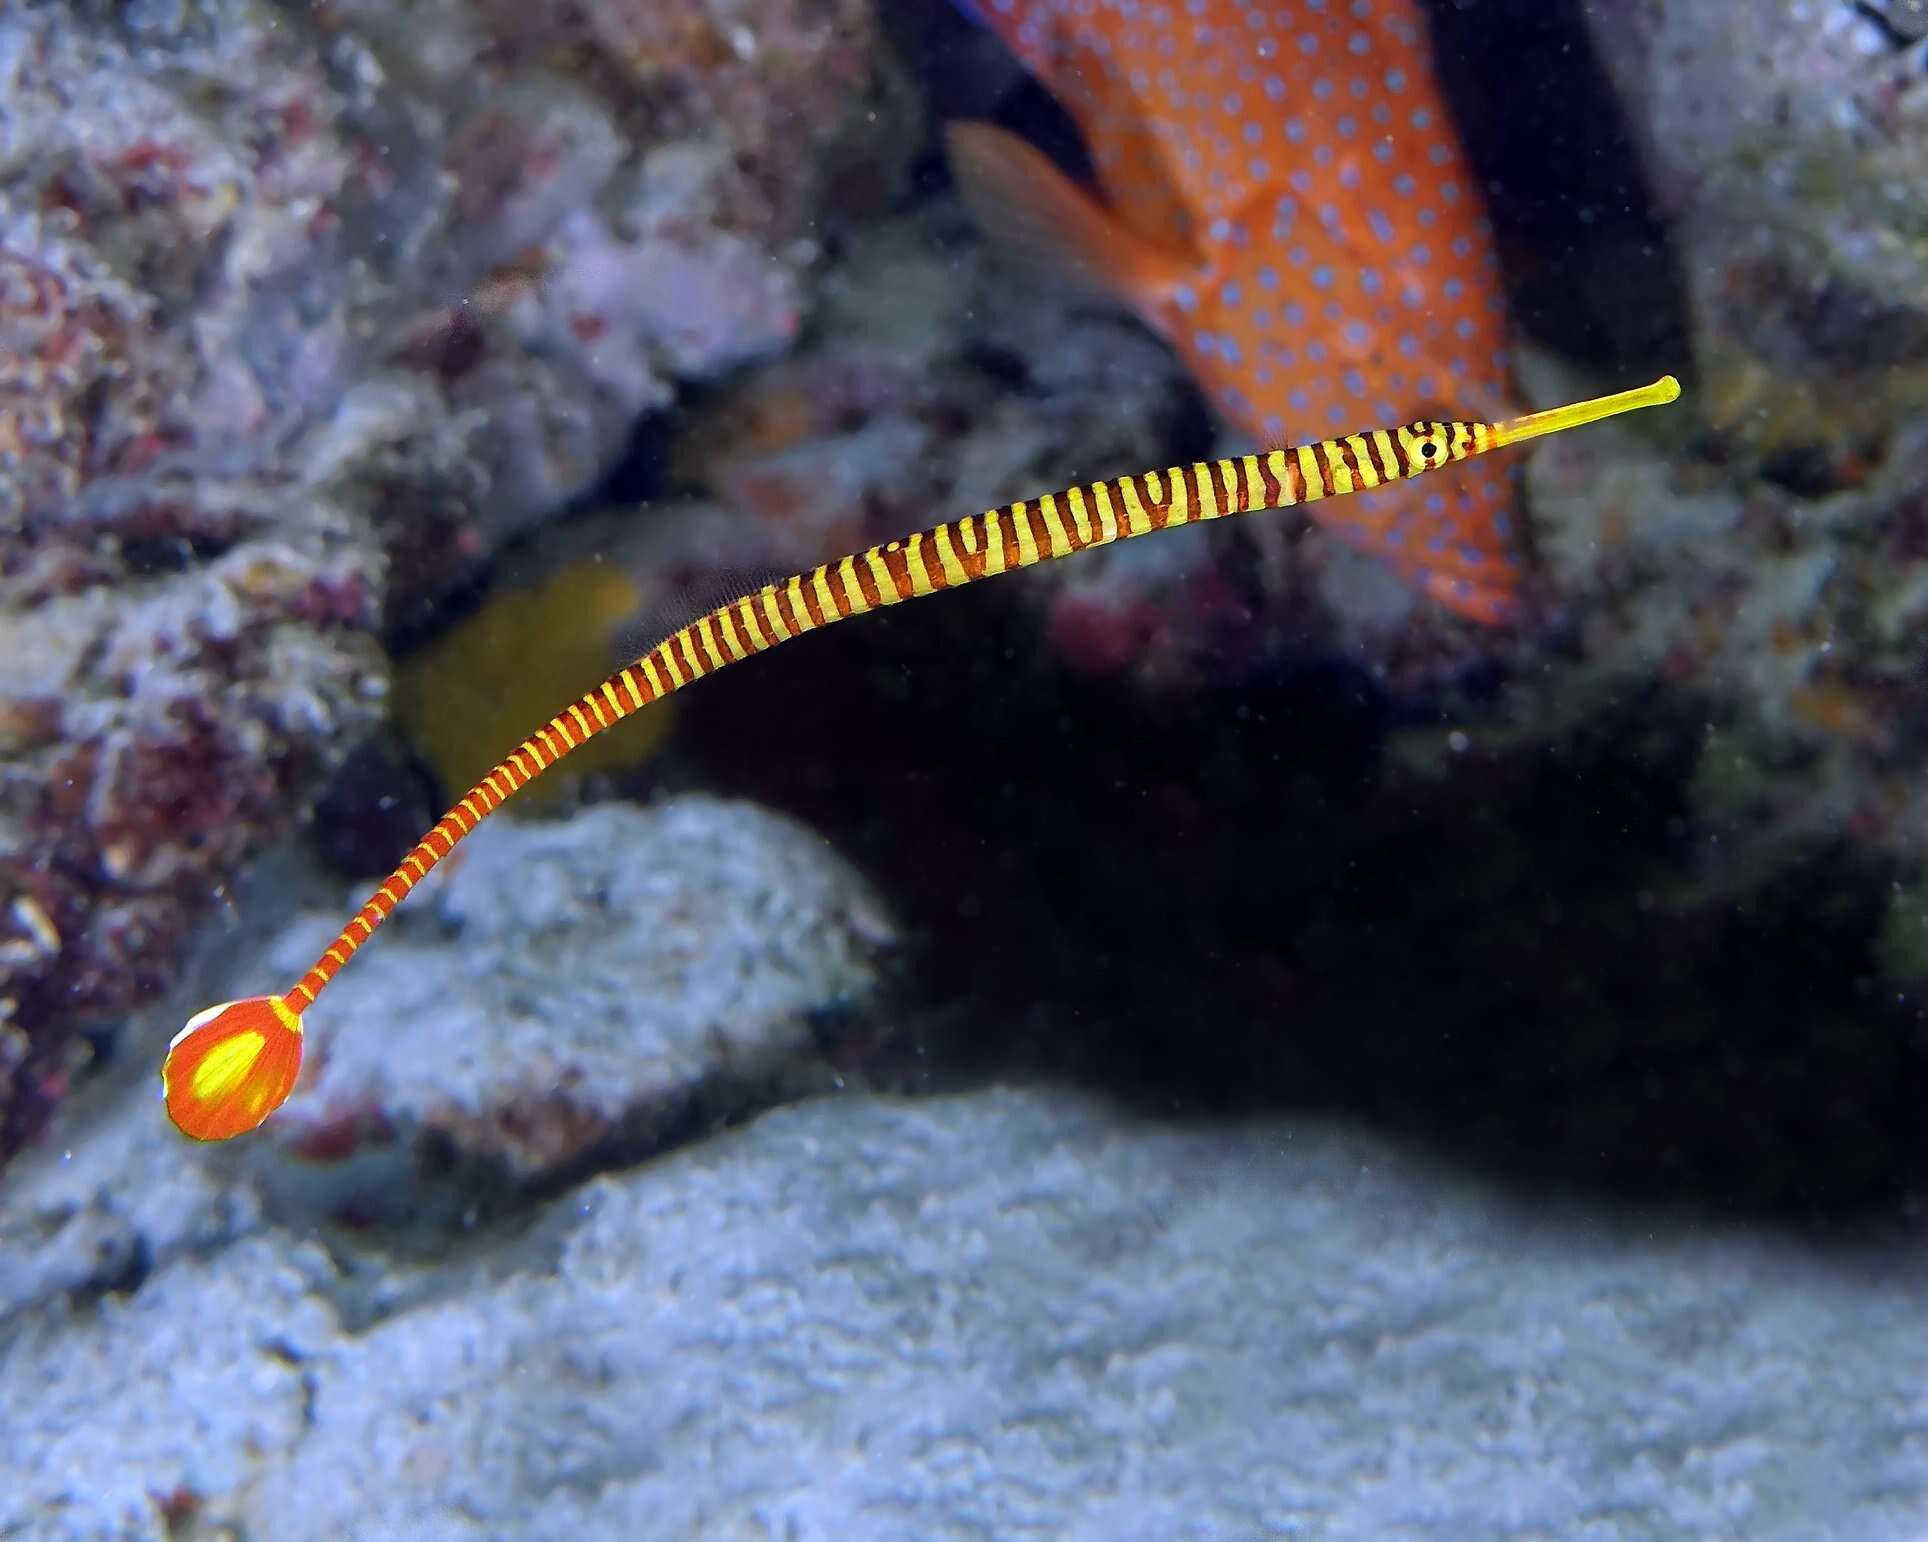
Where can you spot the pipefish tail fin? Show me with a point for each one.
(234, 1064)
(231, 1067)
(687, 599)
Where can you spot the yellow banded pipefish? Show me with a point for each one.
(234, 1064)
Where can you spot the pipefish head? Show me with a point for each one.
(231, 1067)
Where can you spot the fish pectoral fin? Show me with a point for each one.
(1044, 224)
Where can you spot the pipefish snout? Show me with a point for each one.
(234, 1064)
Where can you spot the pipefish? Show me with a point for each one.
(234, 1064)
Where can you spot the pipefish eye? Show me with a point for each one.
(1427, 444)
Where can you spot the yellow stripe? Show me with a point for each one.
(820, 581)
(993, 543)
(698, 668)
(920, 576)
(338, 958)
(1275, 460)
(1369, 476)
(471, 808)
(1342, 478)
(635, 695)
(1314, 482)
(1137, 521)
(746, 624)
(1054, 530)
(1080, 515)
(1179, 511)
(1107, 516)
(967, 534)
(708, 634)
(421, 870)
(1387, 456)
(853, 591)
(947, 558)
(797, 607)
(575, 711)
(489, 782)
(1020, 518)
(773, 615)
(306, 992)
(1254, 483)
(880, 576)
(670, 666)
(1482, 438)
(1155, 485)
(1207, 490)
(609, 695)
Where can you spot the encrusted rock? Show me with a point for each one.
(302, 312)
(595, 984)
(1003, 1314)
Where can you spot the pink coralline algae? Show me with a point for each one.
(301, 314)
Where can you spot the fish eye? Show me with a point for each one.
(1428, 445)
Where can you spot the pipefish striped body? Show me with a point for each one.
(234, 1064)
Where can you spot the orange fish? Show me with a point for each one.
(1286, 202)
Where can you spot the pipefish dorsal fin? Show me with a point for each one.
(684, 596)
(235, 1064)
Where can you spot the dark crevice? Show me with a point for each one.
(1237, 903)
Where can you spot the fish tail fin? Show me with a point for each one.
(1055, 232)
(231, 1067)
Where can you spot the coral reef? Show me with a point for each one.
(1772, 577)
(1788, 144)
(684, 958)
(303, 311)
(983, 1315)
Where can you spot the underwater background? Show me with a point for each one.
(1403, 1021)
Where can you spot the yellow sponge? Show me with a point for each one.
(471, 695)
